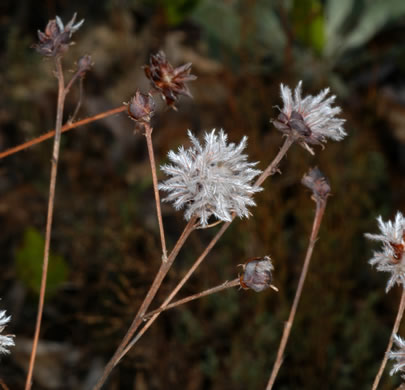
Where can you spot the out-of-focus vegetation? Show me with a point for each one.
(105, 230)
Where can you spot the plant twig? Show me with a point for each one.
(79, 102)
(270, 170)
(148, 135)
(67, 127)
(163, 270)
(54, 170)
(389, 346)
(320, 209)
(201, 294)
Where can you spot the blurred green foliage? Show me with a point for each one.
(28, 260)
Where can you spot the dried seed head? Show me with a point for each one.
(317, 183)
(309, 120)
(398, 355)
(392, 256)
(5, 341)
(55, 40)
(257, 274)
(214, 179)
(169, 81)
(141, 107)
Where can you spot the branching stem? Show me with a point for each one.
(163, 270)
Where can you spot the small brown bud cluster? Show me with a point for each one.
(317, 183)
(257, 274)
(169, 81)
(55, 40)
(398, 250)
(141, 108)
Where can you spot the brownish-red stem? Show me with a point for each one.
(162, 272)
(67, 127)
(182, 282)
(270, 170)
(52, 185)
(201, 294)
(389, 346)
(320, 209)
(148, 135)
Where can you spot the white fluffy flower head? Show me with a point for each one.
(309, 120)
(398, 355)
(392, 256)
(5, 341)
(211, 180)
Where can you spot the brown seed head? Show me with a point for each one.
(141, 107)
(55, 40)
(257, 274)
(169, 81)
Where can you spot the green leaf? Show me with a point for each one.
(308, 19)
(29, 259)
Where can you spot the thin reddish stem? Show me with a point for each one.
(395, 328)
(163, 270)
(51, 202)
(201, 294)
(320, 209)
(148, 135)
(67, 127)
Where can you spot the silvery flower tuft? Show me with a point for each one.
(309, 120)
(392, 256)
(5, 341)
(398, 355)
(214, 179)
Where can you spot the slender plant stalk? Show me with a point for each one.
(54, 170)
(79, 102)
(182, 282)
(270, 170)
(3, 385)
(389, 346)
(163, 270)
(320, 209)
(67, 127)
(201, 294)
(148, 135)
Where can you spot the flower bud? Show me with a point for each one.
(84, 64)
(257, 274)
(141, 107)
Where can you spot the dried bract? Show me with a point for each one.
(141, 107)
(398, 355)
(317, 183)
(257, 274)
(169, 81)
(309, 120)
(392, 256)
(55, 40)
(214, 179)
(5, 341)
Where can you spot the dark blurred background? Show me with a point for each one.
(105, 242)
